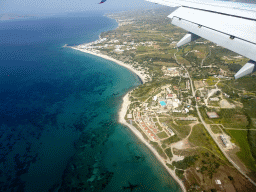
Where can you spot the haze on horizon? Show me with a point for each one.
(67, 6)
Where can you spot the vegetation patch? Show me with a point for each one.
(209, 164)
(215, 129)
(171, 140)
(240, 138)
(170, 166)
(252, 142)
(232, 118)
(168, 152)
(186, 162)
(158, 126)
(166, 64)
(247, 83)
(200, 137)
(179, 173)
(181, 130)
(159, 149)
(180, 122)
(162, 135)
(211, 81)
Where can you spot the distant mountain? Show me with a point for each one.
(9, 16)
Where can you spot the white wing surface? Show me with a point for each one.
(229, 24)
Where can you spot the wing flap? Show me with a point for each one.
(166, 3)
(228, 8)
(237, 45)
(233, 26)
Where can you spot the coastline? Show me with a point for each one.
(122, 120)
(124, 108)
(138, 73)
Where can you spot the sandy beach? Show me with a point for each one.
(139, 73)
(124, 109)
(122, 114)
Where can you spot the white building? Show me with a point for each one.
(118, 46)
(226, 95)
(214, 99)
(170, 131)
(178, 101)
(225, 141)
(119, 50)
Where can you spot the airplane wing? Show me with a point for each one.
(229, 24)
(102, 1)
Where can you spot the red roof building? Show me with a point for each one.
(212, 115)
(175, 88)
(169, 96)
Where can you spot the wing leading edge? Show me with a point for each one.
(230, 25)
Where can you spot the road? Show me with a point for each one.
(207, 127)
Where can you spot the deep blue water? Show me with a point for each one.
(58, 117)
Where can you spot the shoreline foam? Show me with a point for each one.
(124, 108)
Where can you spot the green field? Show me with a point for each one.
(182, 123)
(240, 138)
(200, 137)
(162, 135)
(181, 130)
(229, 118)
(211, 81)
(215, 129)
(158, 126)
(171, 140)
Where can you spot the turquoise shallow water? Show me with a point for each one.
(121, 152)
(59, 129)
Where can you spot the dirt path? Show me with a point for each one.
(206, 57)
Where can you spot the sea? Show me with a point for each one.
(59, 127)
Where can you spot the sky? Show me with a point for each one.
(63, 6)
